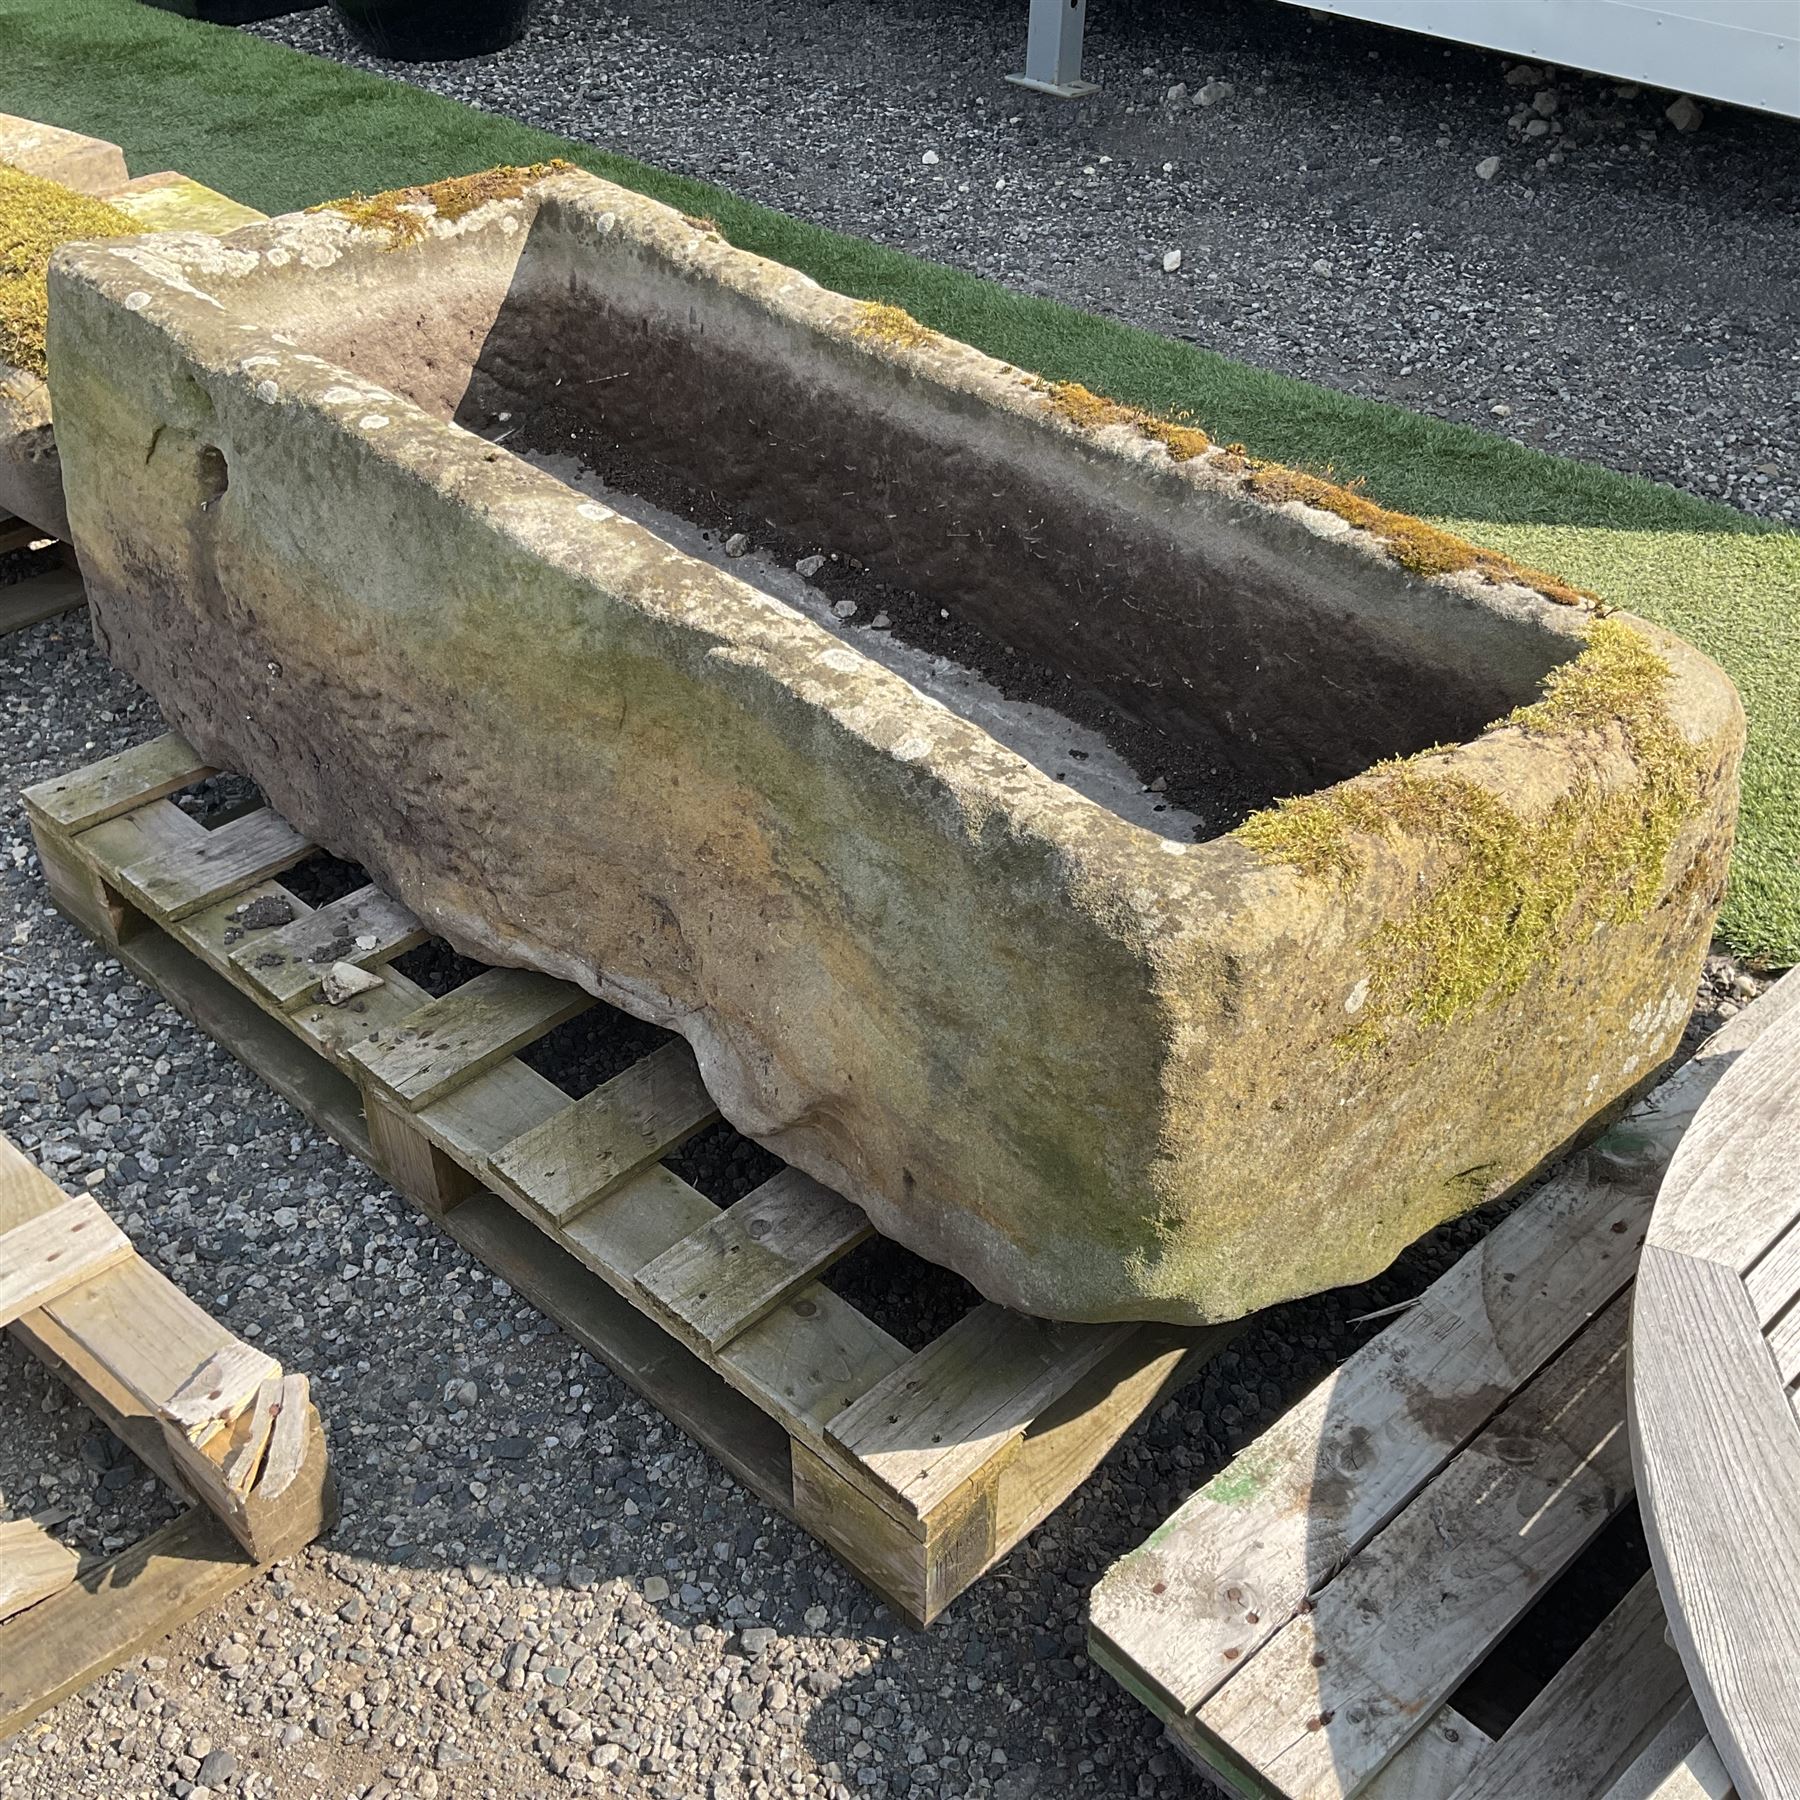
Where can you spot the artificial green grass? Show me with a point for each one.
(279, 130)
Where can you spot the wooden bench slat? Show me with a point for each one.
(1287, 1513)
(1584, 1731)
(641, 1115)
(132, 778)
(726, 1276)
(1342, 1686)
(962, 1400)
(43, 1257)
(452, 1040)
(1731, 1188)
(1718, 1444)
(170, 884)
(286, 964)
(33, 1565)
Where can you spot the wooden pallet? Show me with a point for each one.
(37, 597)
(1326, 1617)
(921, 1470)
(215, 1418)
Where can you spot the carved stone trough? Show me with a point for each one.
(30, 481)
(953, 851)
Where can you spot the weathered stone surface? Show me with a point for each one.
(88, 165)
(30, 480)
(1102, 1071)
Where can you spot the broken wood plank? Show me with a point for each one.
(33, 1565)
(740, 1266)
(218, 1390)
(149, 771)
(286, 965)
(44, 1256)
(583, 1152)
(964, 1399)
(171, 883)
(452, 1040)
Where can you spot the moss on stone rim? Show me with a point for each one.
(37, 217)
(1504, 889)
(402, 212)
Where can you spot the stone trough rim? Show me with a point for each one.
(155, 275)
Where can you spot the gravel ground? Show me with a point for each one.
(537, 1583)
(1615, 289)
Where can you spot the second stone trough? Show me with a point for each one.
(908, 732)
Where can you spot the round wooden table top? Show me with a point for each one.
(1715, 1404)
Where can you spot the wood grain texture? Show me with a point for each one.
(1584, 1731)
(169, 884)
(1341, 1687)
(43, 1257)
(116, 1612)
(452, 1040)
(1730, 1192)
(739, 1267)
(286, 965)
(1679, 1763)
(134, 777)
(962, 1400)
(33, 1565)
(40, 597)
(1717, 1444)
(580, 1154)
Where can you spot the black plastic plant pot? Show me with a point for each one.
(433, 30)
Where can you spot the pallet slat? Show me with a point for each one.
(116, 1612)
(739, 1267)
(33, 1565)
(42, 1257)
(934, 1422)
(90, 796)
(452, 1040)
(582, 1153)
(40, 597)
(170, 884)
(1378, 1649)
(286, 964)
(1584, 1731)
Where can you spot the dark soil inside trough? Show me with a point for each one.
(1220, 797)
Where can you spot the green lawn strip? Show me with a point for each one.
(280, 130)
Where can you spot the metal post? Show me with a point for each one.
(1053, 50)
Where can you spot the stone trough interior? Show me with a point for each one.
(1169, 658)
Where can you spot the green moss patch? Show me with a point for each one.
(1502, 890)
(36, 218)
(401, 213)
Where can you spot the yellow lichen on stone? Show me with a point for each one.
(402, 213)
(1412, 543)
(892, 326)
(1503, 890)
(36, 218)
(1082, 406)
